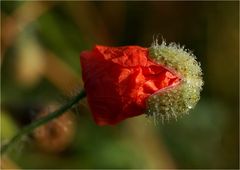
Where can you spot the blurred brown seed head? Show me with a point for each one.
(56, 135)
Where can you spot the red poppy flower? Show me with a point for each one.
(121, 82)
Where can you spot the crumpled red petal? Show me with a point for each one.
(118, 80)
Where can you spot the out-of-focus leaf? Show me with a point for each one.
(8, 126)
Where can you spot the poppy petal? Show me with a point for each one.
(118, 80)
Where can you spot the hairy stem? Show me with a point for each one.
(43, 121)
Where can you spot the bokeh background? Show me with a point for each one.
(40, 69)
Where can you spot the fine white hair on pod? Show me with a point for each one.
(177, 100)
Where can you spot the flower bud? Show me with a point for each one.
(163, 81)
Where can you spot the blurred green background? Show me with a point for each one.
(40, 47)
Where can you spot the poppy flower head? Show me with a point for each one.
(122, 82)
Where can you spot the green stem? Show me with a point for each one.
(43, 121)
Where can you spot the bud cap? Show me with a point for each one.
(176, 100)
